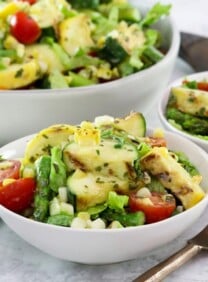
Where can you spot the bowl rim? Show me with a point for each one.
(158, 224)
(79, 91)
(164, 100)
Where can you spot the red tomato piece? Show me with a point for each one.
(31, 2)
(157, 209)
(199, 85)
(18, 195)
(24, 28)
(9, 169)
(202, 86)
(157, 142)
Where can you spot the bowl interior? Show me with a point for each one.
(163, 104)
(30, 111)
(104, 246)
(170, 42)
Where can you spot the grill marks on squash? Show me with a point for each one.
(173, 176)
(103, 169)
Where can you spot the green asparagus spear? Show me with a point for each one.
(43, 168)
(58, 174)
(41, 210)
(126, 219)
(153, 54)
(78, 80)
(176, 115)
(193, 125)
(42, 197)
(60, 219)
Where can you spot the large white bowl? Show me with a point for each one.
(24, 112)
(112, 245)
(163, 104)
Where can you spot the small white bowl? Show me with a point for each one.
(107, 245)
(163, 104)
(24, 112)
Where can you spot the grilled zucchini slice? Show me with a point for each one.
(173, 176)
(91, 189)
(104, 158)
(134, 124)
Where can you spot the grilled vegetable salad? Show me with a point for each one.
(105, 174)
(187, 108)
(61, 44)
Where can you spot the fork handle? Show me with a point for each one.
(193, 49)
(161, 270)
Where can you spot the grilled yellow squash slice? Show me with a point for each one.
(191, 101)
(45, 56)
(173, 176)
(75, 33)
(55, 135)
(20, 75)
(53, 14)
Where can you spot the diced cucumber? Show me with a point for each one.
(55, 207)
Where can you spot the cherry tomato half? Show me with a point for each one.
(155, 207)
(202, 86)
(17, 195)
(24, 28)
(157, 142)
(9, 169)
(31, 2)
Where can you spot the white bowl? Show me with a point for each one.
(107, 245)
(24, 112)
(163, 104)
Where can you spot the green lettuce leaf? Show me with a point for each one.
(155, 13)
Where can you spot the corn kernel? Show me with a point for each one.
(66, 208)
(63, 194)
(84, 215)
(115, 225)
(97, 224)
(78, 223)
(143, 193)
